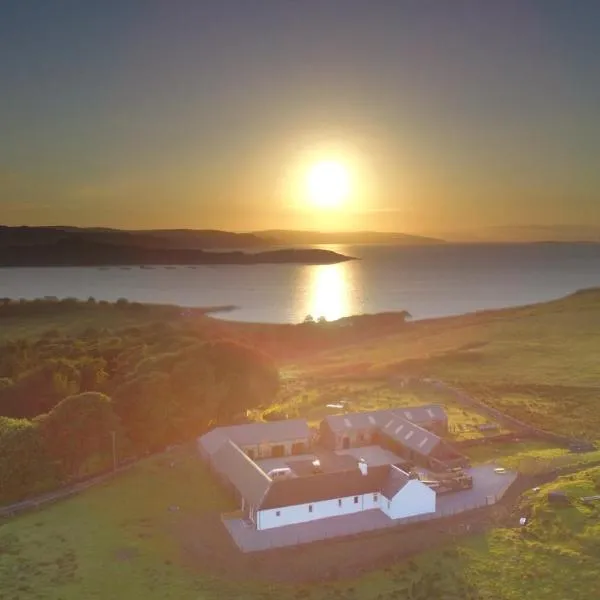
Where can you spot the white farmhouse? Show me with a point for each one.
(299, 492)
(324, 495)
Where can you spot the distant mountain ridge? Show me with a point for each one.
(201, 239)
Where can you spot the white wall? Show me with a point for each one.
(290, 515)
(415, 498)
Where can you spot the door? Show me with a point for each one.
(298, 448)
(278, 451)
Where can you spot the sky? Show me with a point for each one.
(447, 115)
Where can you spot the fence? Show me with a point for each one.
(500, 438)
(12, 510)
(16, 508)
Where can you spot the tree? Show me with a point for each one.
(248, 376)
(92, 373)
(78, 429)
(24, 466)
(146, 408)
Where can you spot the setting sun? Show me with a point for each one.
(328, 184)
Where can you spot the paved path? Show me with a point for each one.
(488, 488)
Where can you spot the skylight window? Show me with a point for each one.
(347, 422)
(423, 442)
(408, 415)
(430, 413)
(399, 429)
(372, 419)
(409, 435)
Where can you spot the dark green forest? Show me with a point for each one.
(64, 395)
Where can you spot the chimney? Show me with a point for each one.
(362, 465)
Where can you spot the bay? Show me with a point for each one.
(428, 281)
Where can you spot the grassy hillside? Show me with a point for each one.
(538, 363)
(552, 343)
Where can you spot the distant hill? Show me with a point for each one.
(201, 239)
(282, 236)
(162, 238)
(81, 251)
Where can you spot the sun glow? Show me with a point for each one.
(328, 184)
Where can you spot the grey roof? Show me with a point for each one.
(396, 480)
(325, 486)
(362, 420)
(242, 472)
(422, 414)
(255, 433)
(378, 418)
(210, 442)
(410, 435)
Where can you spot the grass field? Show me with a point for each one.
(530, 457)
(564, 410)
(121, 540)
(552, 343)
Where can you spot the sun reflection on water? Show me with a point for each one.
(329, 292)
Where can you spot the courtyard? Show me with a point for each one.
(337, 460)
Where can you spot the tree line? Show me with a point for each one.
(64, 398)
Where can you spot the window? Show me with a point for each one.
(355, 499)
(389, 504)
(310, 507)
(340, 502)
(277, 513)
(375, 497)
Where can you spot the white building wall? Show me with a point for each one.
(371, 501)
(291, 515)
(415, 498)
